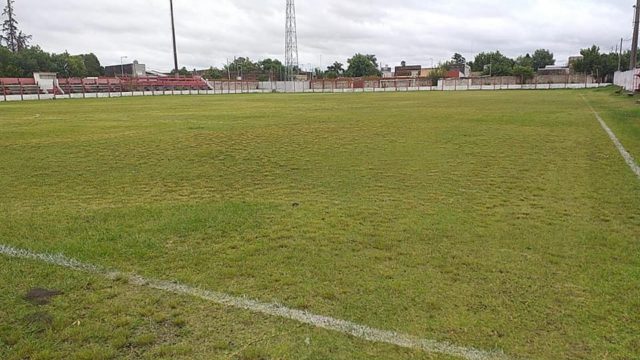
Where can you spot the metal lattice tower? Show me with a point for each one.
(291, 41)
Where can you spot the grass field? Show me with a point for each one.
(491, 220)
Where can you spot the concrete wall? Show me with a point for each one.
(284, 86)
(628, 80)
(515, 80)
(463, 85)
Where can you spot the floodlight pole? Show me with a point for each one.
(173, 33)
(634, 44)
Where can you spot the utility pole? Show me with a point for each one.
(173, 32)
(620, 55)
(634, 44)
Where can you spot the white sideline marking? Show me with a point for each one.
(324, 322)
(625, 154)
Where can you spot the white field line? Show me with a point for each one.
(628, 158)
(319, 321)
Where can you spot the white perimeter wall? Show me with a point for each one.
(300, 87)
(628, 80)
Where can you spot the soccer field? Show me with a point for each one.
(470, 224)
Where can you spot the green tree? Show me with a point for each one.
(542, 58)
(590, 60)
(523, 72)
(8, 66)
(601, 66)
(31, 60)
(458, 59)
(272, 68)
(493, 63)
(363, 65)
(15, 39)
(92, 64)
(337, 68)
(243, 65)
(438, 73)
(526, 61)
(214, 74)
(331, 74)
(181, 72)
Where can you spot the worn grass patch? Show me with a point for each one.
(488, 219)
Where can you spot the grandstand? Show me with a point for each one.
(61, 86)
(19, 86)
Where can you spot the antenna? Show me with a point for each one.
(291, 42)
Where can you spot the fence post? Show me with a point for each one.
(21, 89)
(4, 91)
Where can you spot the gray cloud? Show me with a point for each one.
(210, 32)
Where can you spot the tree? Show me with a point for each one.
(526, 61)
(542, 58)
(214, 74)
(337, 68)
(493, 63)
(458, 59)
(243, 65)
(92, 64)
(438, 73)
(181, 72)
(524, 72)
(363, 65)
(601, 66)
(15, 39)
(272, 68)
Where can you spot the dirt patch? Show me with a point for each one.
(39, 296)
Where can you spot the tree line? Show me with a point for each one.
(18, 59)
(359, 65)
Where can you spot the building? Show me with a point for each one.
(425, 72)
(460, 71)
(408, 71)
(134, 69)
(386, 71)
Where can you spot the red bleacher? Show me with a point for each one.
(163, 83)
(19, 86)
(28, 86)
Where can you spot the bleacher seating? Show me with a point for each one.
(19, 86)
(28, 86)
(164, 83)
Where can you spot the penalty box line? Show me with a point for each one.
(628, 158)
(272, 309)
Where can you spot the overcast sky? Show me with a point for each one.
(418, 31)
